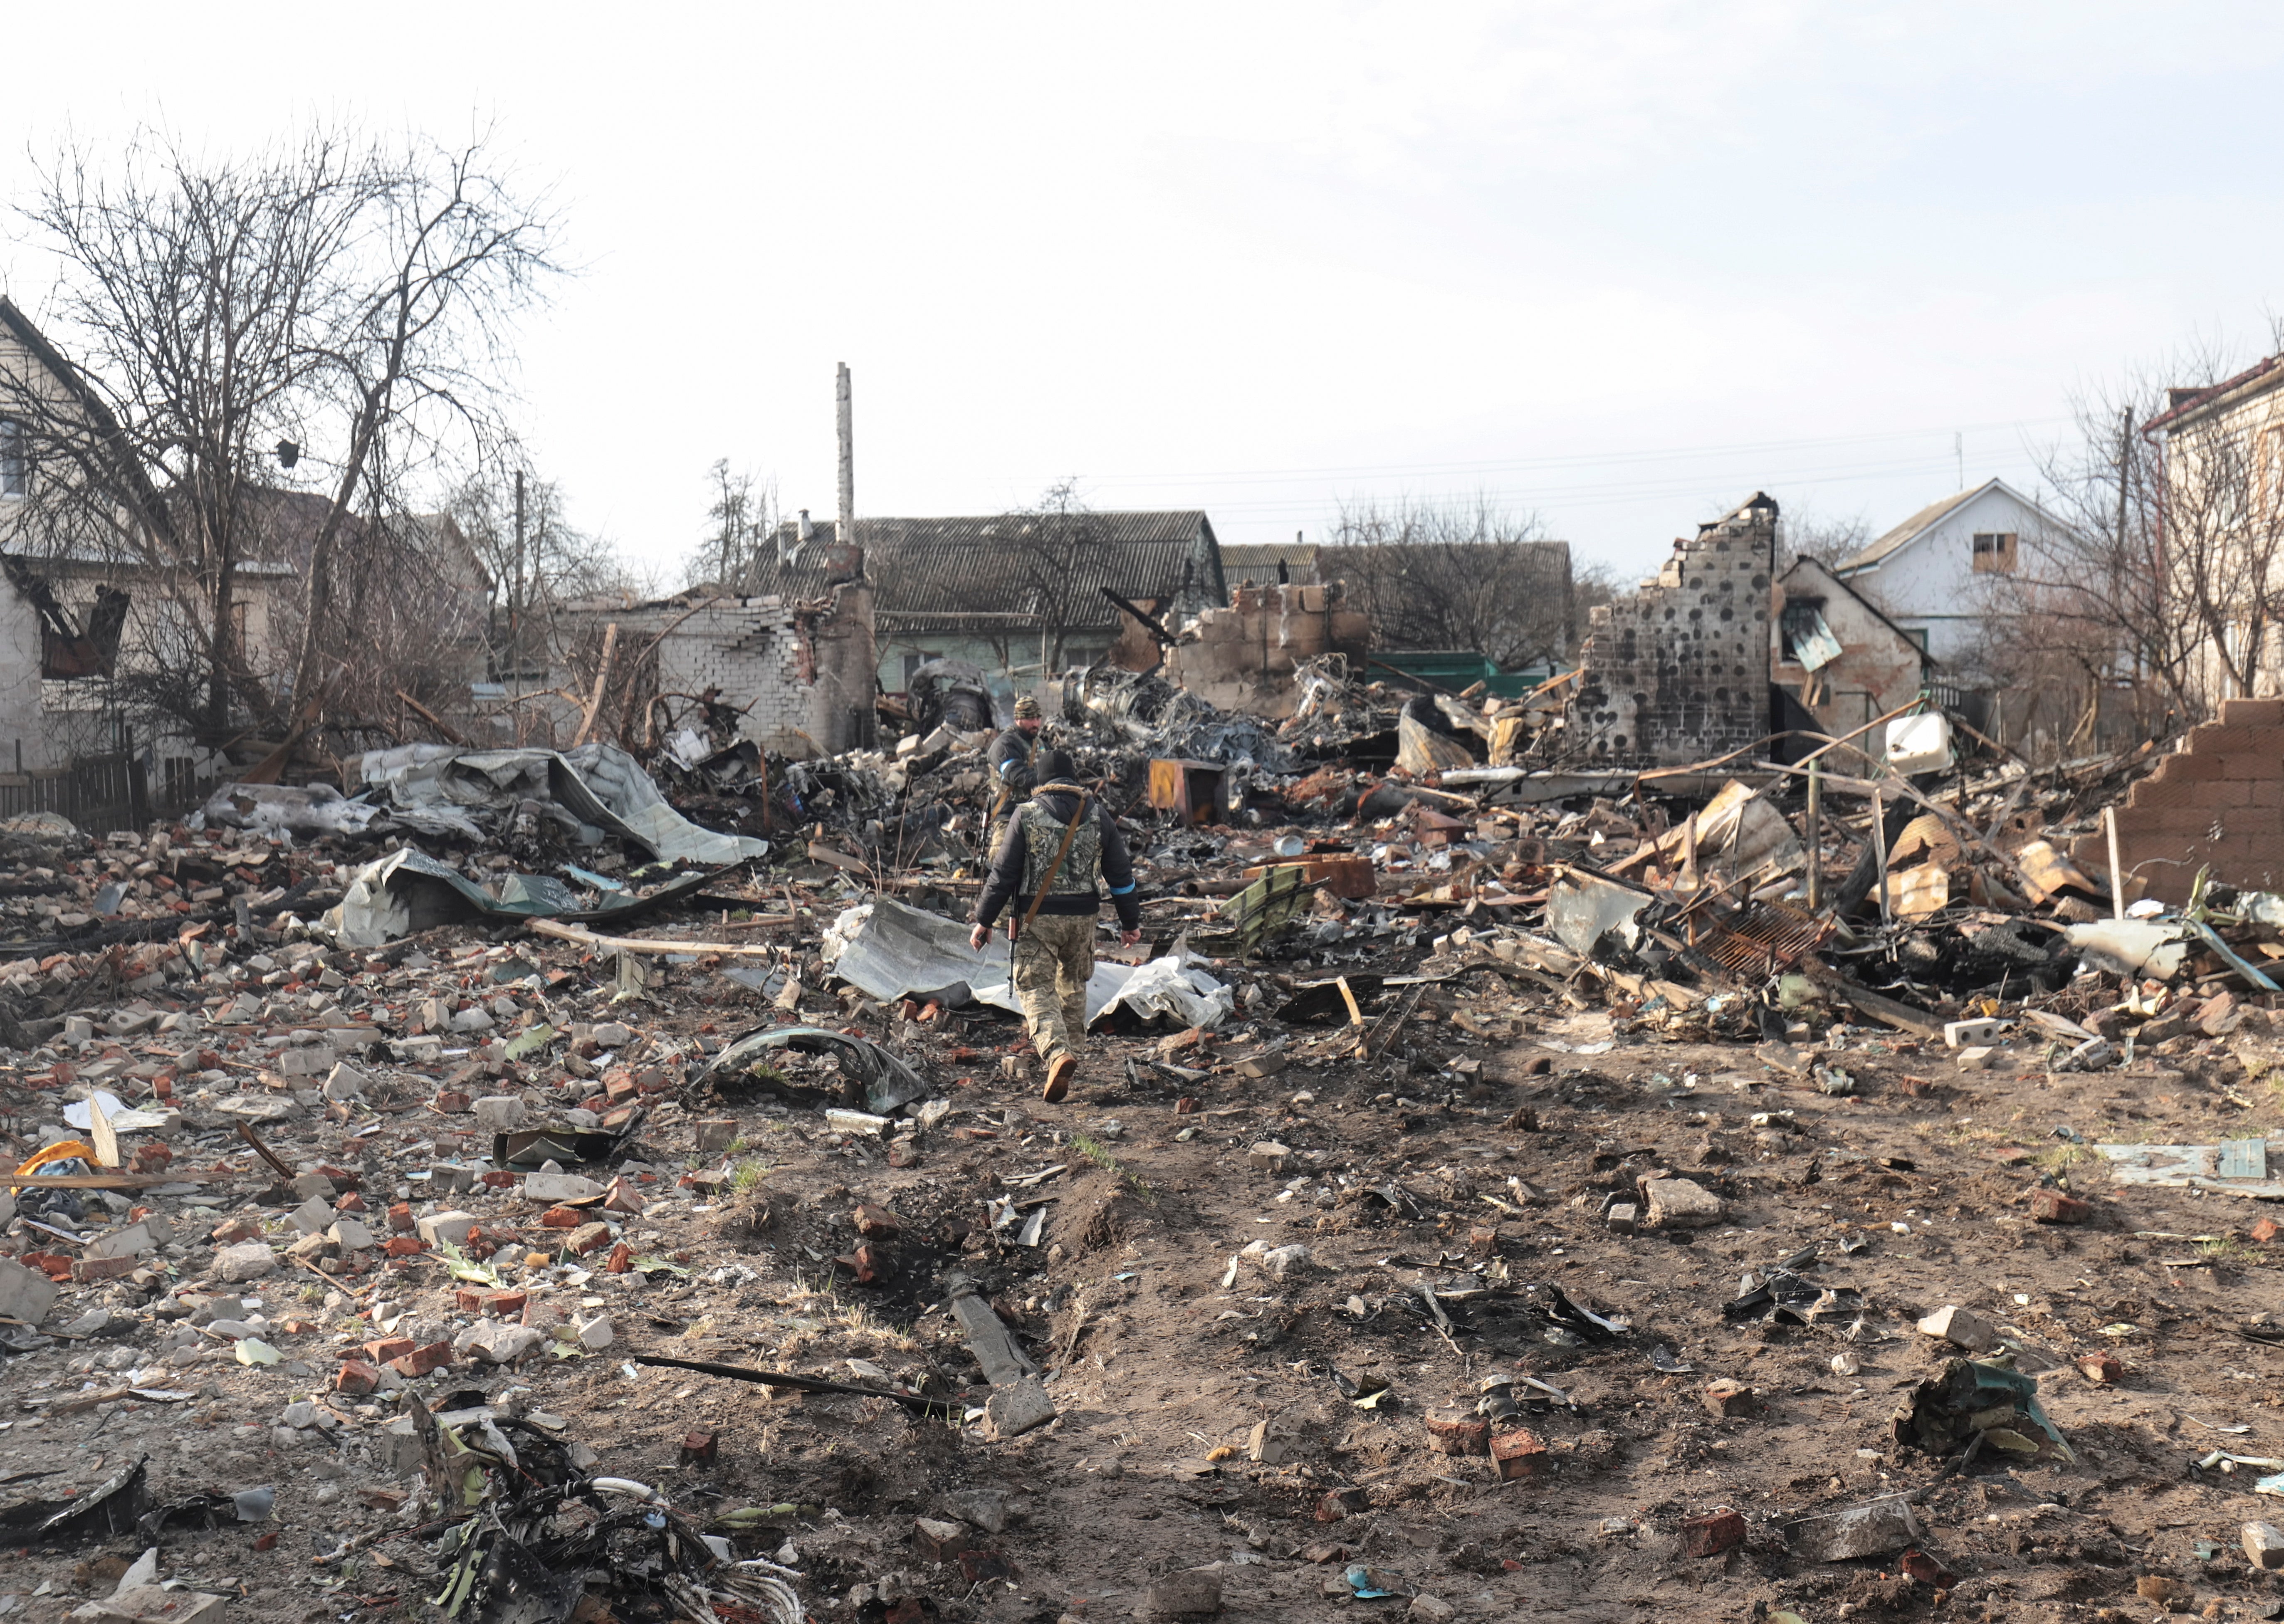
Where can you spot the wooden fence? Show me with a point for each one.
(97, 792)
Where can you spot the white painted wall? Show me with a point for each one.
(1930, 584)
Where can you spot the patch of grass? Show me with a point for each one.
(749, 1176)
(2065, 1156)
(1096, 1153)
(739, 1146)
(2230, 1250)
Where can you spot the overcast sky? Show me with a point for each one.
(1621, 264)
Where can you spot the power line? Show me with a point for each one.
(1579, 459)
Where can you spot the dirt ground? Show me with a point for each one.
(1168, 1335)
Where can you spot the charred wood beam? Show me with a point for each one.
(1165, 638)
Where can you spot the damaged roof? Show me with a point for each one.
(958, 566)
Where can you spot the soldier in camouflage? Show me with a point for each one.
(1054, 952)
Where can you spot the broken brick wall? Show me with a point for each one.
(1242, 658)
(796, 671)
(1680, 672)
(2216, 802)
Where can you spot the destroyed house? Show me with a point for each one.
(796, 671)
(1843, 661)
(104, 636)
(1680, 672)
(1018, 596)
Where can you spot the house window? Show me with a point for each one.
(15, 470)
(1994, 552)
(1801, 620)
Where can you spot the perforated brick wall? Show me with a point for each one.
(1680, 672)
(2216, 802)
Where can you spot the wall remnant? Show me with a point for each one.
(1680, 672)
(1877, 667)
(1242, 658)
(2216, 802)
(797, 671)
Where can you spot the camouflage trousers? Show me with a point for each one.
(1054, 960)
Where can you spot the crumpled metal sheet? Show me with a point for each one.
(1168, 987)
(599, 787)
(888, 1082)
(407, 892)
(1581, 908)
(302, 809)
(889, 950)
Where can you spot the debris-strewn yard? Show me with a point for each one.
(1496, 1208)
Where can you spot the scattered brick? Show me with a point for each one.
(1710, 1535)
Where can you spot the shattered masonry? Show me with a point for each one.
(796, 670)
(2218, 803)
(1680, 672)
(1243, 657)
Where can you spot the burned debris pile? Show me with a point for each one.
(550, 1187)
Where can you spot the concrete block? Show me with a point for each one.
(313, 1215)
(25, 1294)
(499, 1113)
(1681, 1204)
(441, 1228)
(130, 1242)
(350, 1236)
(1193, 1594)
(347, 1082)
(1878, 1529)
(551, 1189)
(2263, 1546)
(248, 1261)
(1016, 1408)
(1961, 1328)
(503, 1344)
(1960, 1034)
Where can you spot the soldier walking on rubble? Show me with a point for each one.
(1058, 842)
(1013, 759)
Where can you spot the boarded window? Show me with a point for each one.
(15, 468)
(1994, 552)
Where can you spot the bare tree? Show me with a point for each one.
(1592, 585)
(2118, 607)
(1802, 533)
(736, 552)
(1457, 576)
(328, 318)
(531, 578)
(1036, 579)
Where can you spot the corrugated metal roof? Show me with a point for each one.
(1000, 563)
(1257, 561)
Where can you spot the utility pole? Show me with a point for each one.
(515, 593)
(846, 423)
(2124, 474)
